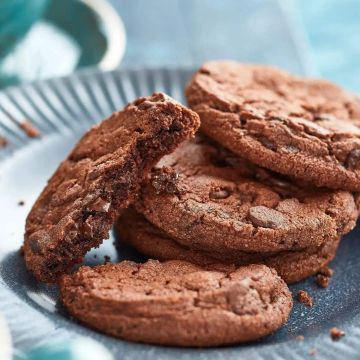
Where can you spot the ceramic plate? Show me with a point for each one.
(62, 110)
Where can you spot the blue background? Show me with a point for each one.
(315, 37)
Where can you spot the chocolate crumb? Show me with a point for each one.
(165, 180)
(304, 297)
(94, 256)
(336, 334)
(107, 258)
(3, 142)
(21, 203)
(300, 338)
(29, 129)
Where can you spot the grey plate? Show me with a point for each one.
(62, 109)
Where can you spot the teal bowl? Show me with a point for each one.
(16, 18)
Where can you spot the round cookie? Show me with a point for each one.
(101, 176)
(207, 198)
(187, 305)
(307, 129)
(292, 266)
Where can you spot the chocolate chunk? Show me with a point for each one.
(353, 160)
(219, 194)
(165, 180)
(263, 216)
(267, 143)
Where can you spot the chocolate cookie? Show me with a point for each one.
(292, 266)
(100, 177)
(177, 303)
(307, 129)
(207, 198)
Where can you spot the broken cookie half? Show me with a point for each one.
(100, 177)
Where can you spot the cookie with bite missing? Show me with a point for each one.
(101, 176)
(304, 128)
(187, 305)
(207, 199)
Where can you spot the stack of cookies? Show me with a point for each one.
(270, 180)
(258, 198)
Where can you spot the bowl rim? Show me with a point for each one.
(114, 29)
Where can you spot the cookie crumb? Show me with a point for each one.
(322, 281)
(21, 250)
(30, 130)
(304, 297)
(326, 271)
(21, 203)
(300, 338)
(165, 180)
(313, 352)
(107, 258)
(336, 334)
(3, 142)
(323, 277)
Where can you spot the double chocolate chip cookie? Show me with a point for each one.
(292, 266)
(307, 129)
(209, 200)
(178, 303)
(100, 177)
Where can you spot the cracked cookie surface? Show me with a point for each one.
(292, 266)
(178, 303)
(101, 176)
(222, 203)
(307, 129)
